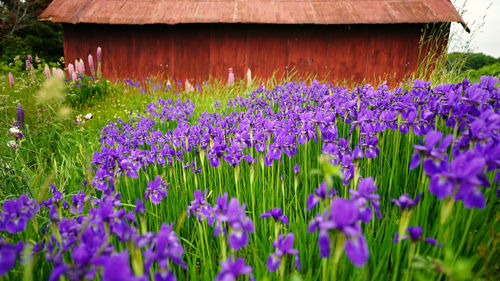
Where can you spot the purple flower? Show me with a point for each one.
(343, 216)
(320, 193)
(117, 268)
(415, 235)
(20, 116)
(434, 155)
(365, 195)
(8, 255)
(156, 190)
(232, 268)
(276, 214)
(234, 215)
(17, 213)
(78, 201)
(466, 172)
(357, 251)
(405, 202)
(296, 169)
(165, 248)
(165, 276)
(139, 206)
(283, 246)
(200, 207)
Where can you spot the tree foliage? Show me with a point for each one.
(21, 33)
(469, 61)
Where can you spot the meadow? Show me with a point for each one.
(282, 180)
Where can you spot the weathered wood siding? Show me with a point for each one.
(198, 51)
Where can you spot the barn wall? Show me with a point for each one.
(198, 51)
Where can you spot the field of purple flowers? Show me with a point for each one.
(298, 182)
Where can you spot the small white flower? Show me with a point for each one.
(88, 116)
(11, 143)
(14, 130)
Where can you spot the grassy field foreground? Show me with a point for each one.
(371, 182)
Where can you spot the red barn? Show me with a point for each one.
(344, 39)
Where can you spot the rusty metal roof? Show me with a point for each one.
(254, 11)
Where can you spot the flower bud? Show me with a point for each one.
(99, 53)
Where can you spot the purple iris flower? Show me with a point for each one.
(465, 172)
(411, 121)
(276, 214)
(233, 156)
(364, 195)
(283, 246)
(17, 213)
(194, 169)
(8, 255)
(234, 215)
(296, 169)
(200, 207)
(249, 158)
(320, 194)
(415, 235)
(165, 248)
(344, 217)
(166, 275)
(78, 201)
(20, 117)
(101, 179)
(156, 190)
(129, 168)
(232, 268)
(117, 268)
(405, 202)
(139, 206)
(434, 155)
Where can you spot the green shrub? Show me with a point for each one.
(487, 70)
(86, 91)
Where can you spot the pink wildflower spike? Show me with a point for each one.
(82, 67)
(56, 72)
(28, 61)
(230, 78)
(99, 54)
(60, 73)
(77, 66)
(73, 77)
(188, 87)
(11, 79)
(71, 70)
(91, 65)
(249, 77)
(47, 72)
